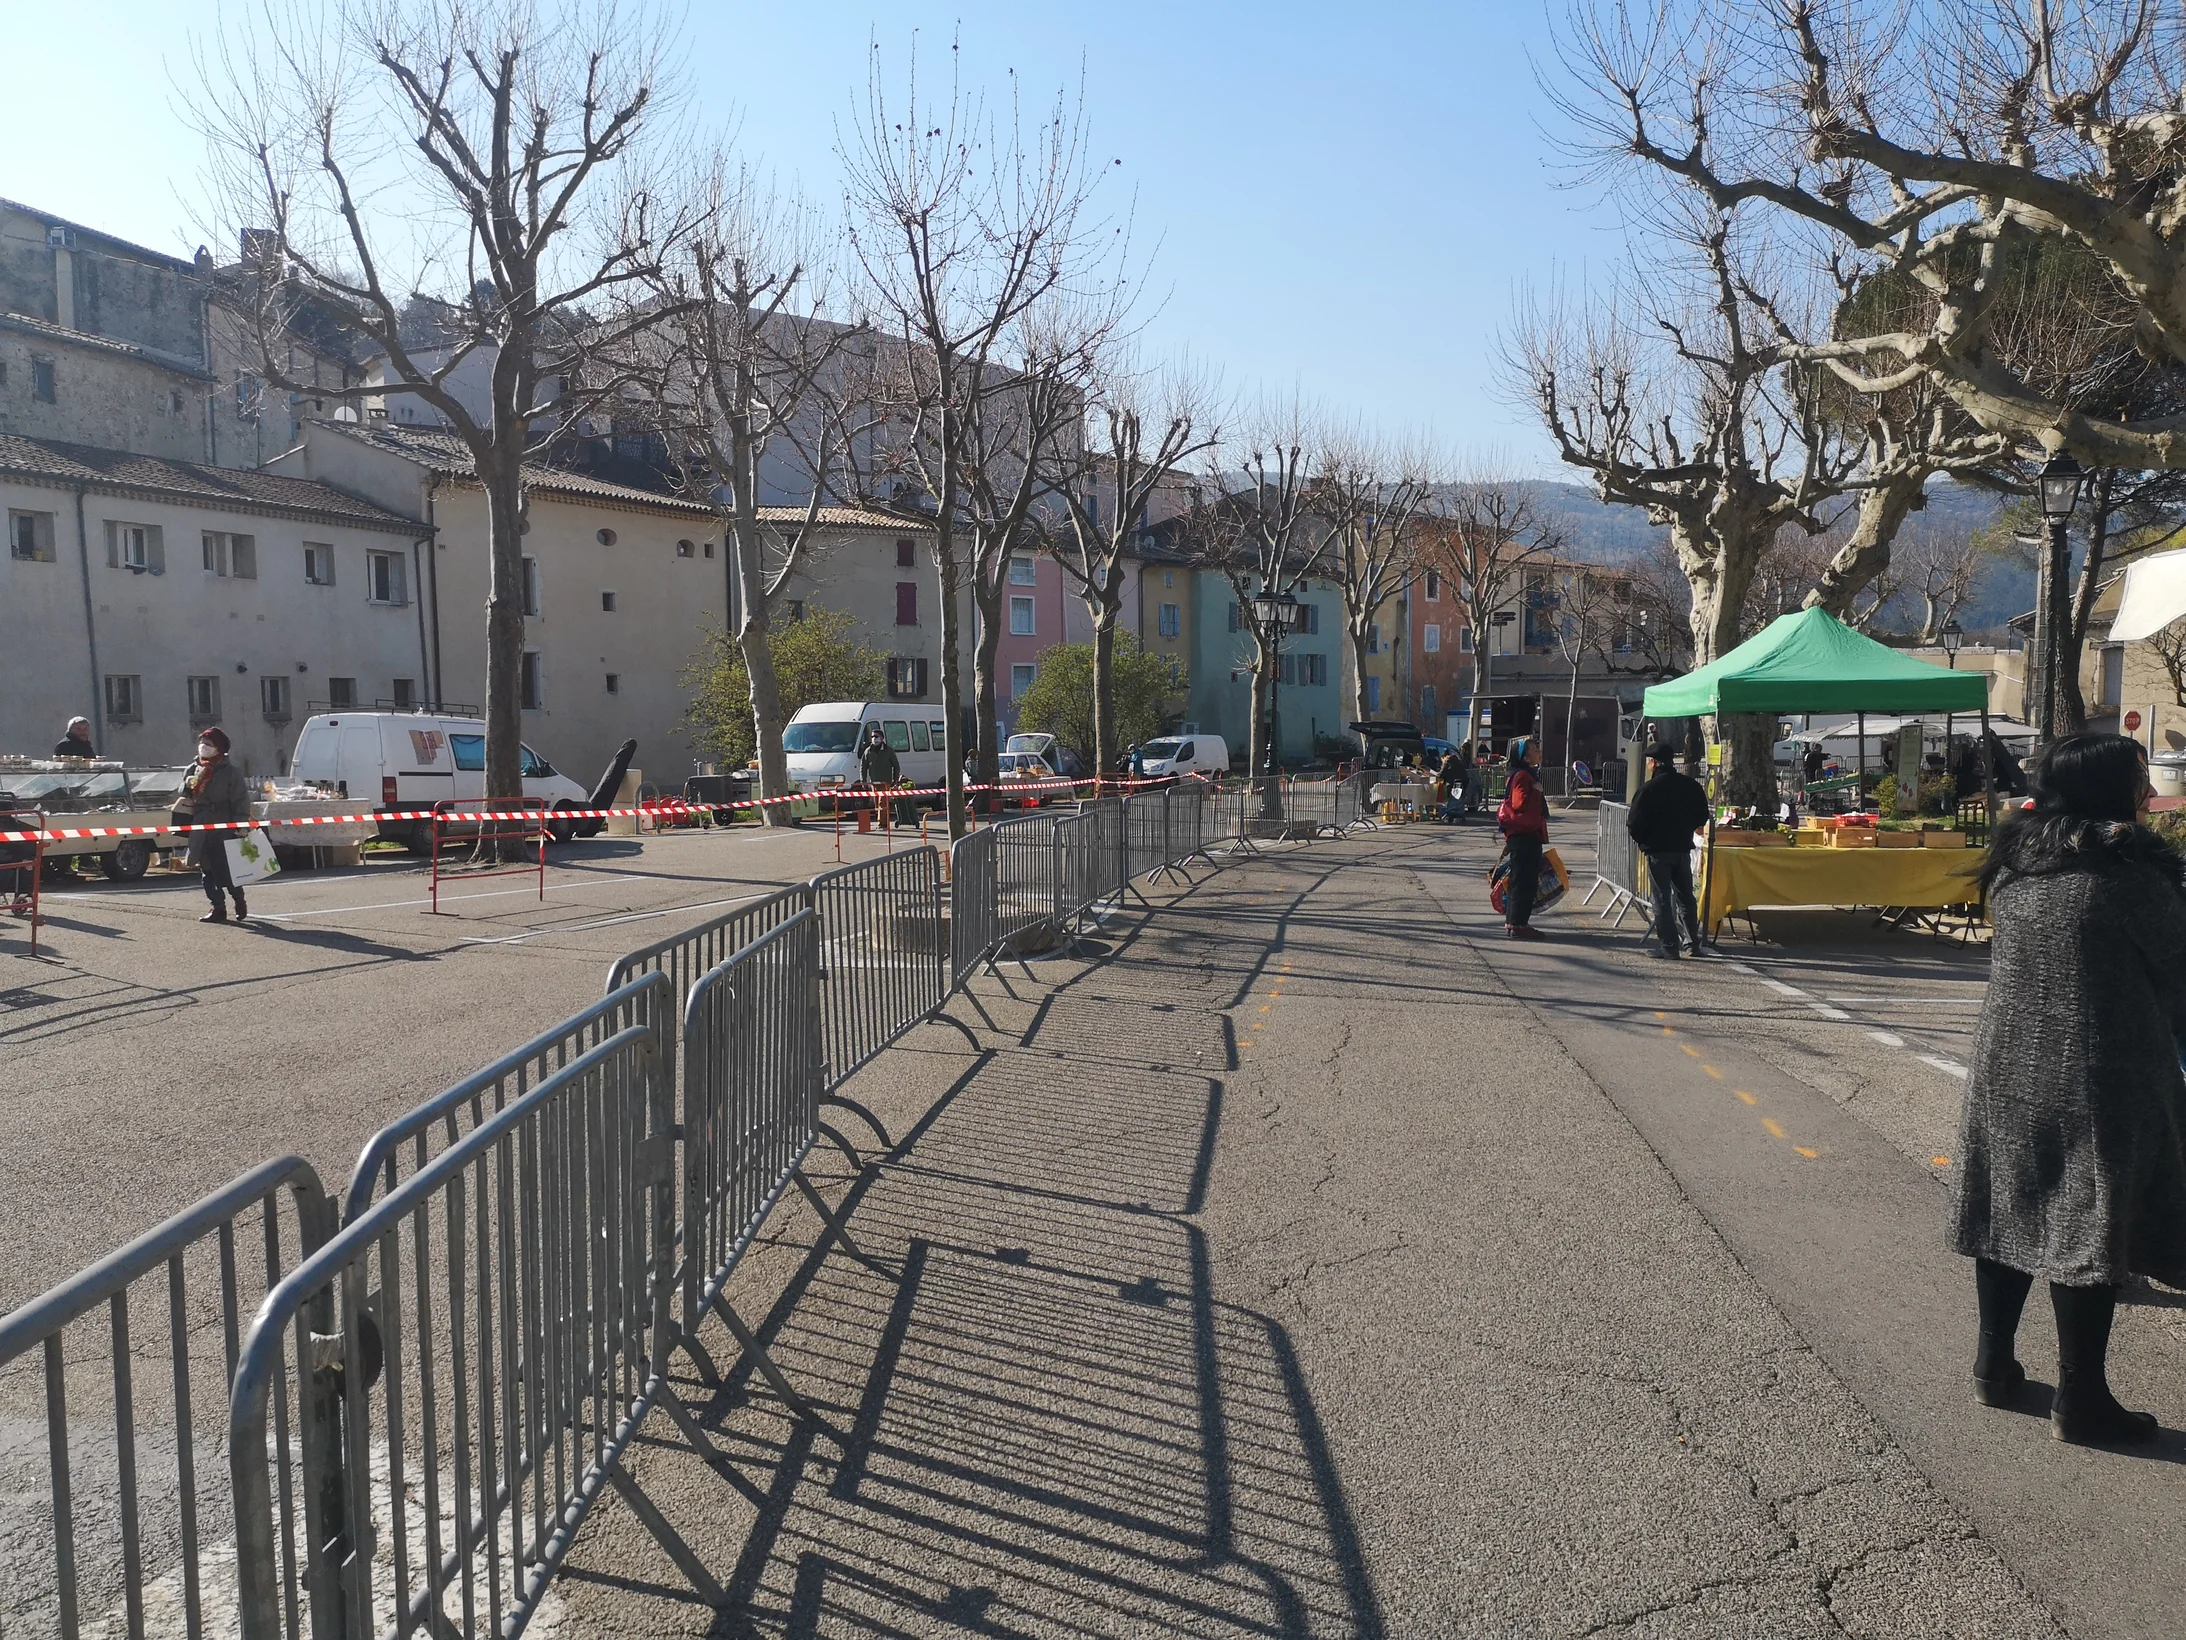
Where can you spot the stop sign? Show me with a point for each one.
(2132, 721)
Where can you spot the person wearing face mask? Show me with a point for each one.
(215, 791)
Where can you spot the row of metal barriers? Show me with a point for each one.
(425, 1385)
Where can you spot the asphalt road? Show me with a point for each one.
(1287, 1274)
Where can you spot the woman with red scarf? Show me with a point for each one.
(1523, 819)
(214, 791)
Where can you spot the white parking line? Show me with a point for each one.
(1781, 989)
(1950, 1067)
(1827, 1012)
(1887, 1039)
(604, 922)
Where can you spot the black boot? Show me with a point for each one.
(219, 912)
(1998, 1378)
(2085, 1412)
(242, 911)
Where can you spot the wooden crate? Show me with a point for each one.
(1942, 839)
(1852, 837)
(1897, 839)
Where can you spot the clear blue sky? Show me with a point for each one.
(1347, 199)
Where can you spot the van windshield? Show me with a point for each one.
(839, 736)
(1160, 748)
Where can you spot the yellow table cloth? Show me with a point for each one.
(1747, 877)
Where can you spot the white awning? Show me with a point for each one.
(2155, 596)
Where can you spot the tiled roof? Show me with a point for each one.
(187, 482)
(24, 324)
(443, 452)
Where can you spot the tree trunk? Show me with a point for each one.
(1571, 710)
(1104, 689)
(1866, 552)
(1359, 713)
(1262, 675)
(952, 677)
(988, 742)
(1720, 580)
(502, 477)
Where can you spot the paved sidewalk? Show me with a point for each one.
(1281, 1275)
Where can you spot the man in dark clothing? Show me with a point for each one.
(77, 742)
(1665, 814)
(878, 766)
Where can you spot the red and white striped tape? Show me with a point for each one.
(674, 806)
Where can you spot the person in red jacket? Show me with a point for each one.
(1523, 819)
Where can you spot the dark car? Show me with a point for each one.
(1389, 745)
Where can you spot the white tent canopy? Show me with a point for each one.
(2154, 596)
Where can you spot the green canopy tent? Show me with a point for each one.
(1813, 662)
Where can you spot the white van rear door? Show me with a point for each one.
(357, 770)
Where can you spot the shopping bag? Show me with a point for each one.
(1554, 884)
(250, 858)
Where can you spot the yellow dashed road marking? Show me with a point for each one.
(1749, 1098)
(1810, 1155)
(1775, 1127)
(1712, 1071)
(1690, 1051)
(1940, 1161)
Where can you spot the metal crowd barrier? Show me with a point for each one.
(1616, 867)
(473, 1355)
(685, 956)
(129, 1511)
(972, 896)
(883, 958)
(648, 1000)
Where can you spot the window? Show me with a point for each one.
(227, 554)
(1171, 621)
(319, 563)
(1427, 702)
(938, 736)
(250, 397)
(124, 699)
(1168, 578)
(1310, 618)
(405, 693)
(383, 578)
(1021, 679)
(906, 554)
(1373, 638)
(605, 538)
(919, 742)
(907, 679)
(1024, 573)
(174, 404)
(41, 380)
(685, 549)
(1373, 694)
(796, 608)
(138, 547)
(30, 536)
(607, 603)
(469, 752)
(1464, 640)
(529, 691)
(1434, 587)
(906, 603)
(2113, 674)
(1431, 640)
(709, 549)
(204, 700)
(273, 697)
(1021, 617)
(531, 588)
(1235, 624)
(530, 764)
(614, 683)
(899, 735)
(341, 693)
(1310, 670)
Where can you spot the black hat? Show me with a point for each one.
(1660, 752)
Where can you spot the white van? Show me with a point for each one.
(822, 741)
(1207, 755)
(404, 760)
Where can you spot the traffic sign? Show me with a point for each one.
(2132, 721)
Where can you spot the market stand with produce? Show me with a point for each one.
(1813, 662)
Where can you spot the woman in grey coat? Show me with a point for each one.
(2072, 1150)
(215, 790)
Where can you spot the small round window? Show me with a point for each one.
(606, 538)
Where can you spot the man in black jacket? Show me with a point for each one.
(1665, 814)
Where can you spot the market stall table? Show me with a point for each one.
(1740, 879)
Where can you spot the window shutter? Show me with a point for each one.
(243, 557)
(155, 549)
(113, 545)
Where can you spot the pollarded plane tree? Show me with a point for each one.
(487, 157)
(754, 390)
(1368, 495)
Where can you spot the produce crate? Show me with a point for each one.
(1897, 839)
(1852, 837)
(1942, 839)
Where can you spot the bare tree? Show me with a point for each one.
(963, 230)
(1960, 149)
(1368, 499)
(746, 375)
(1145, 431)
(1482, 537)
(2170, 648)
(1701, 418)
(1587, 617)
(482, 148)
(1263, 536)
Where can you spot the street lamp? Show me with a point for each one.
(1275, 614)
(1951, 637)
(2058, 486)
(1499, 620)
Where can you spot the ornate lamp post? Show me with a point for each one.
(1275, 614)
(2059, 487)
(1951, 637)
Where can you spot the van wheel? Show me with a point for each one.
(564, 831)
(128, 861)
